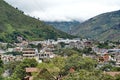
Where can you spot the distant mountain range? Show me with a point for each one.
(65, 26)
(102, 27)
(14, 23)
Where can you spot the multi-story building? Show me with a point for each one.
(29, 53)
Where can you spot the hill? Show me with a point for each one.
(65, 26)
(102, 27)
(14, 23)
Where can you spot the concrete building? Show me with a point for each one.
(29, 53)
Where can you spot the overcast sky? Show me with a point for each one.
(65, 10)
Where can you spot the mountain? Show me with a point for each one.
(105, 26)
(14, 23)
(65, 26)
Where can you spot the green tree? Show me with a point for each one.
(47, 71)
(62, 44)
(106, 67)
(117, 77)
(59, 62)
(11, 66)
(13, 77)
(88, 50)
(107, 77)
(1, 67)
(39, 46)
(84, 75)
(78, 62)
(1, 64)
(68, 52)
(20, 69)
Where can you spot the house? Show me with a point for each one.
(7, 58)
(104, 58)
(116, 55)
(1, 53)
(112, 73)
(19, 38)
(72, 70)
(29, 53)
(78, 45)
(10, 49)
(17, 49)
(29, 71)
(88, 44)
(67, 41)
(45, 53)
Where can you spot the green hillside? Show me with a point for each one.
(65, 26)
(102, 27)
(14, 23)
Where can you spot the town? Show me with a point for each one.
(105, 53)
(59, 40)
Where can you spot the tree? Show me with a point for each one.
(84, 75)
(20, 69)
(11, 66)
(1, 67)
(104, 45)
(68, 52)
(47, 71)
(32, 46)
(107, 77)
(88, 50)
(78, 63)
(1, 64)
(117, 77)
(30, 62)
(39, 46)
(62, 44)
(58, 62)
(106, 67)
(13, 77)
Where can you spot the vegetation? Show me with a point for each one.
(83, 68)
(1, 67)
(67, 52)
(109, 67)
(14, 53)
(19, 70)
(14, 23)
(102, 27)
(105, 45)
(11, 66)
(64, 25)
(78, 63)
(69, 64)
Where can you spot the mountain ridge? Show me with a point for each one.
(14, 22)
(65, 26)
(102, 27)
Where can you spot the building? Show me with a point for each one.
(29, 72)
(45, 53)
(29, 53)
(116, 55)
(112, 73)
(104, 58)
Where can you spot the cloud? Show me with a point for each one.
(65, 10)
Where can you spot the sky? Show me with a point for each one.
(65, 10)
